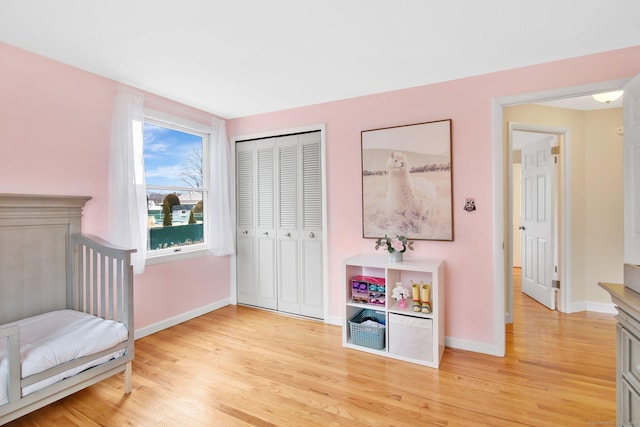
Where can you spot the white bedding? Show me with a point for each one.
(53, 338)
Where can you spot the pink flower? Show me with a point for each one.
(397, 244)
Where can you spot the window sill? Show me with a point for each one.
(175, 256)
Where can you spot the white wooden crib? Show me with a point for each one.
(46, 268)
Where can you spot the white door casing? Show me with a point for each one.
(501, 203)
(537, 222)
(632, 171)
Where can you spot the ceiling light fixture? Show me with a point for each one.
(607, 97)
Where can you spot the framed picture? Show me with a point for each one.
(407, 181)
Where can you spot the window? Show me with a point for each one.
(174, 167)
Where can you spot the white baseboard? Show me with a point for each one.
(602, 307)
(167, 323)
(577, 306)
(476, 347)
(597, 307)
(334, 320)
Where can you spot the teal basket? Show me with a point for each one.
(368, 336)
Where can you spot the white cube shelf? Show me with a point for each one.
(408, 335)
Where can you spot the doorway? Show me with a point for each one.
(503, 233)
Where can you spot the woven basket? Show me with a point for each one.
(368, 336)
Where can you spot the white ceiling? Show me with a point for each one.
(241, 57)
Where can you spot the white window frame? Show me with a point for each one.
(176, 123)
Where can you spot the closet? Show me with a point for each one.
(279, 260)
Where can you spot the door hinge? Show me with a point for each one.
(555, 284)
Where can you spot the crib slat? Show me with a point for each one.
(77, 286)
(119, 292)
(102, 284)
(87, 279)
(94, 282)
(116, 290)
(110, 290)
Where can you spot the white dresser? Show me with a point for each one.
(627, 303)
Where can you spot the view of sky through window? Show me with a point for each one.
(170, 156)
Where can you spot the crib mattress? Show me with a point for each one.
(49, 339)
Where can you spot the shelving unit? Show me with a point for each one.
(410, 336)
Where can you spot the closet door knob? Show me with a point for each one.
(312, 235)
(266, 233)
(522, 227)
(288, 234)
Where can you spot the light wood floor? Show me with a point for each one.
(240, 366)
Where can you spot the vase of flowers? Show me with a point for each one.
(395, 246)
(400, 293)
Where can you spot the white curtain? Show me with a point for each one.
(218, 210)
(127, 195)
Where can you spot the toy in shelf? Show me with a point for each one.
(400, 293)
(368, 290)
(421, 297)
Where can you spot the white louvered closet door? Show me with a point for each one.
(311, 245)
(288, 235)
(245, 219)
(280, 190)
(300, 225)
(265, 221)
(255, 207)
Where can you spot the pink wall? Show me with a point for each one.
(54, 132)
(54, 135)
(55, 122)
(468, 102)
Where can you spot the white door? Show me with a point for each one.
(247, 288)
(300, 264)
(265, 275)
(537, 222)
(288, 235)
(632, 171)
(255, 236)
(311, 244)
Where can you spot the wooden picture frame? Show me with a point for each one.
(407, 185)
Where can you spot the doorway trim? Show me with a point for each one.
(321, 127)
(501, 201)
